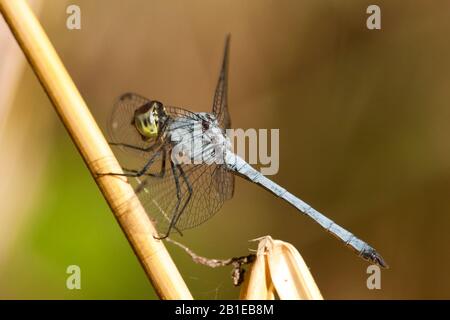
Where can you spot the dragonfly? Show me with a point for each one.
(182, 166)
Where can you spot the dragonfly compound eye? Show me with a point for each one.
(146, 121)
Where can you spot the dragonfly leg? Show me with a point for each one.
(130, 146)
(158, 175)
(143, 184)
(162, 172)
(173, 221)
(178, 214)
(135, 173)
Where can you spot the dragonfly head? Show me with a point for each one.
(147, 119)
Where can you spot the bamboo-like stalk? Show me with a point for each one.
(94, 149)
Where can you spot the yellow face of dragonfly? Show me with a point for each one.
(147, 121)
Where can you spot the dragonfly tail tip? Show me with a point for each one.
(380, 261)
(370, 254)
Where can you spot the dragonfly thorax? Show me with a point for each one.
(198, 139)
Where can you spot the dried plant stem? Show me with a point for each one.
(237, 262)
(94, 149)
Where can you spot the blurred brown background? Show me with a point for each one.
(363, 118)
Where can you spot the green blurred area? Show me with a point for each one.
(72, 226)
(363, 118)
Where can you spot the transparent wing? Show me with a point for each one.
(220, 110)
(192, 193)
(188, 195)
(220, 103)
